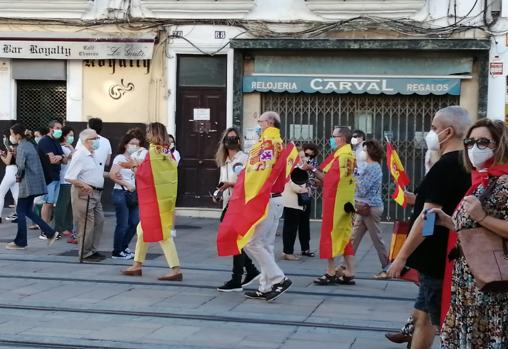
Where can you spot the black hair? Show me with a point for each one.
(65, 131)
(19, 129)
(95, 124)
(360, 133)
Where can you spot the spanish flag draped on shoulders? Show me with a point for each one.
(156, 185)
(269, 164)
(338, 190)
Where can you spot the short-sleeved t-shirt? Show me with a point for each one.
(445, 185)
(126, 173)
(45, 146)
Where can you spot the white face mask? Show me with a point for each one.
(479, 157)
(13, 140)
(432, 140)
(362, 156)
(132, 148)
(355, 141)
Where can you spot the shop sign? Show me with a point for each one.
(76, 47)
(390, 86)
(496, 68)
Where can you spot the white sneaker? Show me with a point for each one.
(13, 246)
(43, 237)
(122, 255)
(127, 250)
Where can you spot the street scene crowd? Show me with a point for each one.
(457, 237)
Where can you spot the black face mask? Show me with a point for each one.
(232, 142)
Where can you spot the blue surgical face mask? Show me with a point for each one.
(57, 133)
(70, 139)
(259, 130)
(96, 144)
(333, 143)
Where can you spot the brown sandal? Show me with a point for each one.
(325, 279)
(346, 280)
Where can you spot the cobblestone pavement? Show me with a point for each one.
(49, 300)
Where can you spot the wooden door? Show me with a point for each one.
(200, 121)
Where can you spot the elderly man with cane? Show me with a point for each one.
(86, 175)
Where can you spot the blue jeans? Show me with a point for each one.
(24, 209)
(127, 219)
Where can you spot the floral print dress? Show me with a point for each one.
(477, 320)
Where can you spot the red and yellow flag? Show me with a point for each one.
(338, 189)
(156, 185)
(398, 174)
(249, 204)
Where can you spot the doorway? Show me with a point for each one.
(200, 121)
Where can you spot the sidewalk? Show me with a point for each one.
(47, 297)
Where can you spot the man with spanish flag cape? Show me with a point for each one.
(337, 173)
(442, 187)
(156, 186)
(256, 206)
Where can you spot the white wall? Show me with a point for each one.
(75, 90)
(6, 90)
(497, 84)
(202, 37)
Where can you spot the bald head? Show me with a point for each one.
(455, 117)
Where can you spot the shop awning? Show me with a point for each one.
(355, 85)
(358, 72)
(76, 46)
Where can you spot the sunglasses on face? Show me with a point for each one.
(309, 155)
(482, 143)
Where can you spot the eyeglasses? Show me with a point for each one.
(92, 139)
(309, 155)
(482, 143)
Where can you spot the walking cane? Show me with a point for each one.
(84, 230)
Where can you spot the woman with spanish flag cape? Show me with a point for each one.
(337, 172)
(156, 183)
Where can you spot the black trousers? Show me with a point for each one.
(240, 262)
(296, 221)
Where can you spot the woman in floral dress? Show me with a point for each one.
(476, 319)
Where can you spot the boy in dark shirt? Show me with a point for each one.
(443, 187)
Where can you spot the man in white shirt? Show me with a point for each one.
(85, 173)
(103, 153)
(357, 143)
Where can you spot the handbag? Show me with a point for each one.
(486, 254)
(131, 198)
(362, 209)
(399, 236)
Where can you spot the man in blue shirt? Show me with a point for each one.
(51, 155)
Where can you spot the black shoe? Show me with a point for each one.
(230, 286)
(256, 295)
(96, 257)
(278, 289)
(250, 278)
